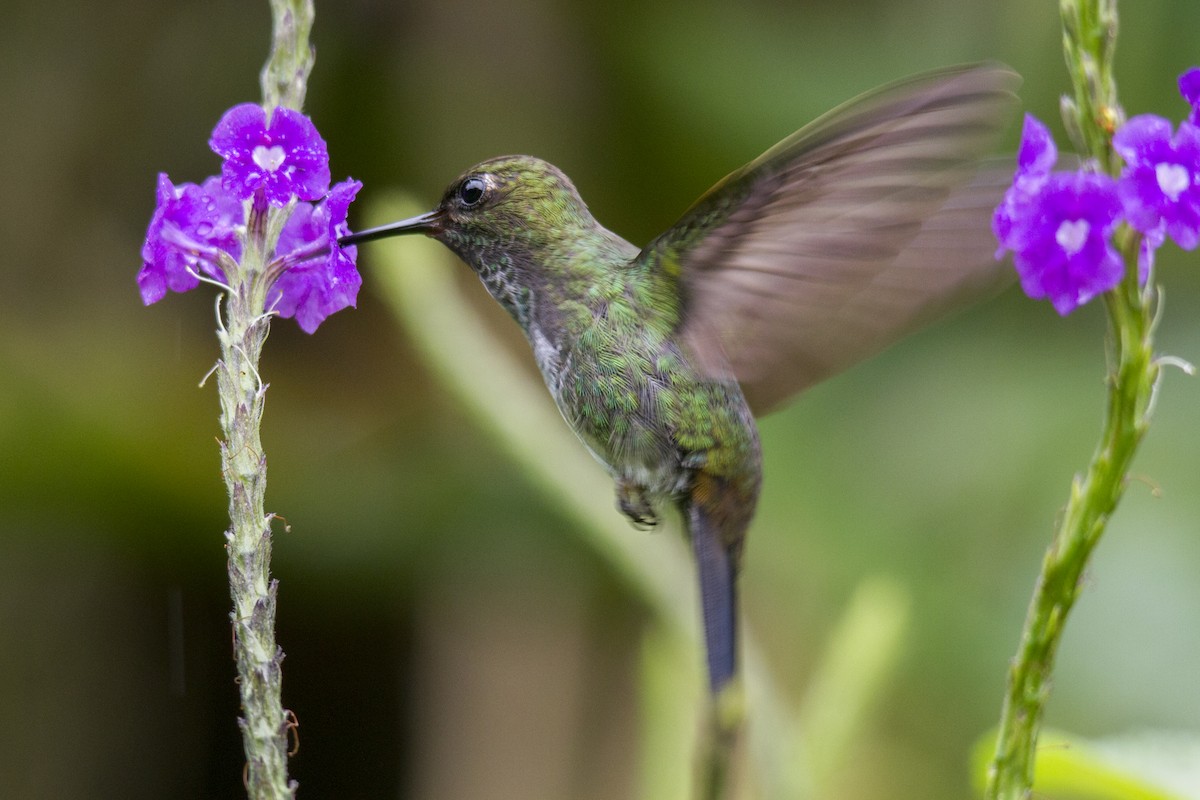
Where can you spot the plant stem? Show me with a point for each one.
(727, 713)
(1089, 45)
(1089, 38)
(285, 75)
(1093, 499)
(264, 722)
(244, 465)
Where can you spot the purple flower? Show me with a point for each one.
(1160, 185)
(1037, 154)
(1061, 244)
(1189, 87)
(319, 277)
(191, 224)
(1035, 159)
(272, 162)
(200, 231)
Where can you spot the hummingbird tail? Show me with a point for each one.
(717, 566)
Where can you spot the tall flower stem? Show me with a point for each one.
(264, 722)
(1093, 498)
(244, 465)
(1089, 28)
(285, 75)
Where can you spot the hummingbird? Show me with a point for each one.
(859, 228)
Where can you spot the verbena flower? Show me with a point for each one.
(275, 160)
(190, 227)
(1061, 246)
(202, 230)
(1057, 224)
(1035, 159)
(315, 287)
(1160, 185)
(1189, 87)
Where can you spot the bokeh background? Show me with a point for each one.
(447, 634)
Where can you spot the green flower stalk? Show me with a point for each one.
(1076, 235)
(244, 465)
(284, 77)
(265, 232)
(1093, 498)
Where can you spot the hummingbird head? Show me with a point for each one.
(519, 223)
(501, 214)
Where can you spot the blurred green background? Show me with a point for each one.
(447, 635)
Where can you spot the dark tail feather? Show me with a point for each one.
(718, 596)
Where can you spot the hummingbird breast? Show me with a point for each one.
(629, 391)
(602, 325)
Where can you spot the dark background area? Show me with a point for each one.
(445, 637)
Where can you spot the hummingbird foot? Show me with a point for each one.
(632, 500)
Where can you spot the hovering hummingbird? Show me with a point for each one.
(850, 233)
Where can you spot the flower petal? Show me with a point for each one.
(1160, 184)
(1060, 239)
(1189, 87)
(190, 225)
(306, 161)
(276, 161)
(1035, 158)
(1141, 137)
(1037, 153)
(313, 289)
(239, 130)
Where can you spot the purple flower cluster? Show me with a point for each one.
(200, 230)
(1058, 225)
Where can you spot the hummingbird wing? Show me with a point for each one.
(856, 230)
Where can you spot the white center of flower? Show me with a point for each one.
(1072, 234)
(268, 158)
(1172, 179)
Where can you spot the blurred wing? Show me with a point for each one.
(856, 230)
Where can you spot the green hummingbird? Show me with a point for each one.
(855, 230)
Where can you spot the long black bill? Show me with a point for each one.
(425, 223)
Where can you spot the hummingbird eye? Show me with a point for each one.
(470, 194)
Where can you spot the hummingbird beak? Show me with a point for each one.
(430, 223)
